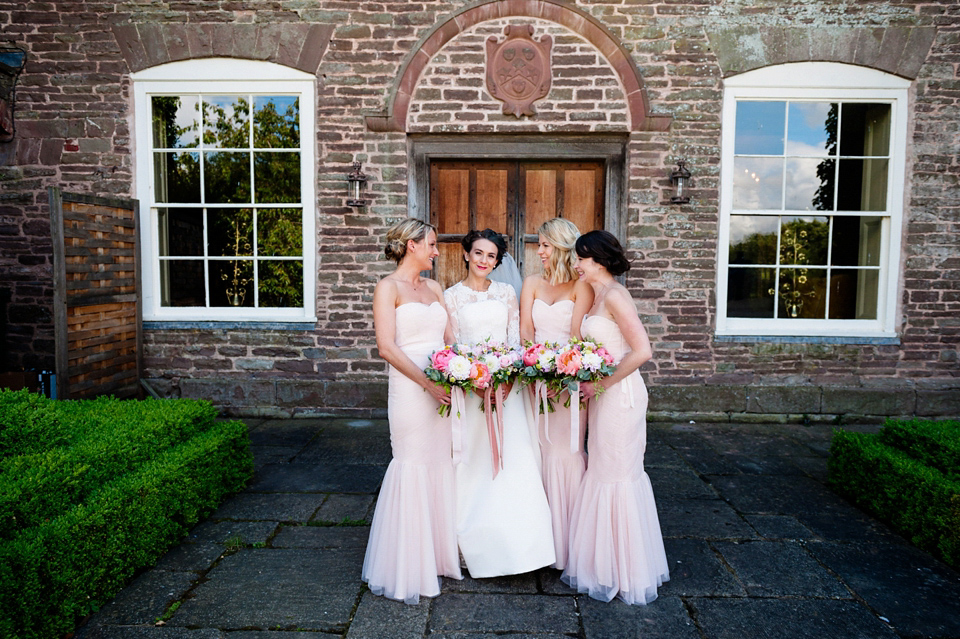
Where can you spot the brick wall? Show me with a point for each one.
(73, 130)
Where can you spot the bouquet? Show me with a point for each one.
(458, 366)
(582, 360)
(539, 365)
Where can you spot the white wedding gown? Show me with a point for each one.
(504, 524)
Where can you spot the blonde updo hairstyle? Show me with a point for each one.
(402, 232)
(562, 234)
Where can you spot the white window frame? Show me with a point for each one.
(222, 76)
(819, 81)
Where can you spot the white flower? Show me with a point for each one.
(492, 362)
(459, 367)
(591, 361)
(545, 361)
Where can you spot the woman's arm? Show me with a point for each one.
(527, 297)
(582, 301)
(385, 327)
(621, 307)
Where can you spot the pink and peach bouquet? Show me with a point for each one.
(473, 368)
(562, 366)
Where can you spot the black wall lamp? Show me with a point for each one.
(357, 181)
(12, 60)
(681, 181)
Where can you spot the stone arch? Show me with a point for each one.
(300, 46)
(897, 50)
(394, 118)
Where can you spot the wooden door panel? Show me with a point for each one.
(513, 198)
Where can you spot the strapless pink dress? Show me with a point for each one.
(413, 536)
(562, 468)
(616, 548)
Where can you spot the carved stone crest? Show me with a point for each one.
(518, 69)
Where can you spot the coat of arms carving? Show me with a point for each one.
(518, 69)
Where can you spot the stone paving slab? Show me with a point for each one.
(251, 506)
(525, 583)
(338, 508)
(696, 570)
(378, 617)
(787, 619)
(918, 594)
(702, 518)
(778, 569)
(139, 632)
(288, 433)
(774, 494)
(318, 478)
(779, 527)
(678, 483)
(503, 613)
(146, 598)
(191, 557)
(664, 618)
(270, 588)
(322, 537)
(221, 532)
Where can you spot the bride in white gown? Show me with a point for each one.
(503, 523)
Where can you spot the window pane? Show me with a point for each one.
(231, 283)
(750, 292)
(757, 183)
(177, 177)
(281, 283)
(806, 189)
(230, 231)
(853, 293)
(276, 122)
(803, 240)
(812, 128)
(863, 185)
(279, 232)
(226, 122)
(176, 121)
(802, 293)
(753, 239)
(760, 128)
(856, 241)
(181, 283)
(865, 129)
(180, 232)
(226, 177)
(277, 177)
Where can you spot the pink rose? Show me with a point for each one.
(480, 375)
(605, 354)
(532, 354)
(568, 362)
(442, 358)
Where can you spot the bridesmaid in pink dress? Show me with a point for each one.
(552, 306)
(413, 536)
(616, 549)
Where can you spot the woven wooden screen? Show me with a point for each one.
(96, 295)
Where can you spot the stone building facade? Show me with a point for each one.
(636, 85)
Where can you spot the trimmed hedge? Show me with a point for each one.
(935, 444)
(918, 501)
(63, 568)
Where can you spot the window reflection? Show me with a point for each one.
(856, 241)
(803, 184)
(180, 232)
(757, 183)
(853, 293)
(276, 177)
(226, 122)
(865, 129)
(801, 293)
(231, 283)
(863, 185)
(276, 122)
(803, 240)
(177, 177)
(753, 239)
(749, 292)
(812, 128)
(176, 121)
(182, 283)
(760, 128)
(279, 232)
(281, 283)
(226, 177)
(230, 231)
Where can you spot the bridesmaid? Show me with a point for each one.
(552, 306)
(413, 537)
(616, 549)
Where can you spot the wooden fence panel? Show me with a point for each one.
(97, 315)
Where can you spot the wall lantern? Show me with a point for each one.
(357, 181)
(681, 181)
(12, 60)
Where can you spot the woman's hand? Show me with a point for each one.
(439, 393)
(589, 390)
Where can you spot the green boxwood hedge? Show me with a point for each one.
(116, 520)
(934, 444)
(917, 500)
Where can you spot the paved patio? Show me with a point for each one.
(757, 547)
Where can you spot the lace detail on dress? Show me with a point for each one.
(480, 315)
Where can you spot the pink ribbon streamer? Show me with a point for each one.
(458, 404)
(494, 428)
(575, 417)
(541, 409)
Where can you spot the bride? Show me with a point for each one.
(503, 523)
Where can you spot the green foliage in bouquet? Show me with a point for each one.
(895, 484)
(120, 484)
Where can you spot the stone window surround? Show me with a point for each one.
(229, 75)
(820, 81)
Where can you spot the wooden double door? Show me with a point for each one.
(513, 198)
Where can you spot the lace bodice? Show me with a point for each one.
(480, 315)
